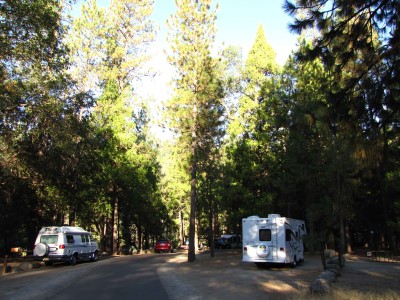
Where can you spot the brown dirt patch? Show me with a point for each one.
(225, 276)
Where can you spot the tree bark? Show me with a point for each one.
(115, 237)
(211, 225)
(182, 228)
(192, 224)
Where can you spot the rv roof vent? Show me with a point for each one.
(253, 217)
(273, 216)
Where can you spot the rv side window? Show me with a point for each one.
(288, 235)
(85, 238)
(265, 235)
(70, 239)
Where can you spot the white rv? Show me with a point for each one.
(274, 239)
(65, 244)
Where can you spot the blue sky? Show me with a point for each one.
(237, 23)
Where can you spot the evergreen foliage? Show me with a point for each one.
(317, 139)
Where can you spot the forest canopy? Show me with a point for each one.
(316, 139)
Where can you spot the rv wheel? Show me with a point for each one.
(261, 265)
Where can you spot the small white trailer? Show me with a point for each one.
(274, 239)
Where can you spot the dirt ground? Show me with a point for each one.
(370, 278)
(225, 276)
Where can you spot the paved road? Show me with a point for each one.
(160, 276)
(125, 277)
(170, 276)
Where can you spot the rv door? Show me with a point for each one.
(275, 247)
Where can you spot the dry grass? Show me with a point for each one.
(344, 294)
(358, 295)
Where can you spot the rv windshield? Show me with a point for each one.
(49, 239)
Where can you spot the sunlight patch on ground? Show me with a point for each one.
(375, 274)
(178, 259)
(278, 286)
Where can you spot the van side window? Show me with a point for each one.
(92, 239)
(265, 235)
(84, 238)
(70, 239)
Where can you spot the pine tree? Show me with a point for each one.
(253, 130)
(108, 53)
(358, 45)
(195, 110)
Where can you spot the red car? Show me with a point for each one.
(163, 246)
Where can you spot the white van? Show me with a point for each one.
(65, 244)
(274, 239)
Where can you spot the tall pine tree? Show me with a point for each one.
(194, 111)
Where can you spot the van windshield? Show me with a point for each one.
(49, 239)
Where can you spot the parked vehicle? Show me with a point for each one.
(185, 245)
(163, 246)
(65, 244)
(128, 249)
(274, 239)
(220, 243)
(227, 241)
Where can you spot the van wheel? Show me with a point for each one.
(72, 260)
(95, 257)
(294, 263)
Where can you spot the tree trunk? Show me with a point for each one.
(102, 239)
(140, 237)
(382, 169)
(146, 240)
(348, 239)
(108, 235)
(115, 237)
(193, 189)
(211, 225)
(182, 228)
(192, 221)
